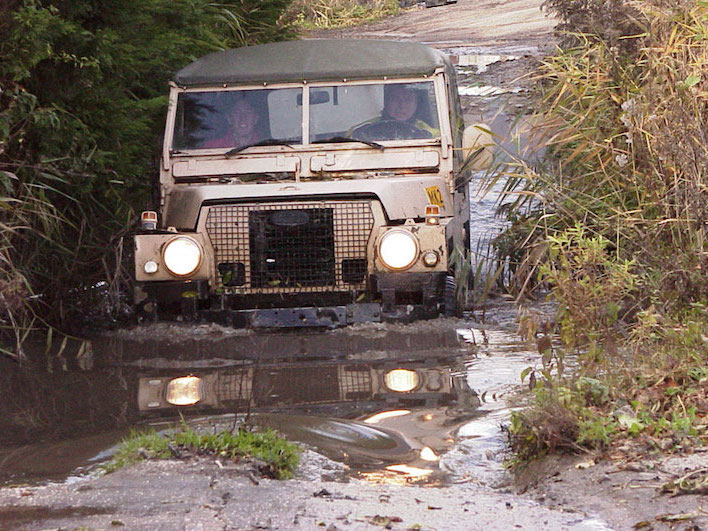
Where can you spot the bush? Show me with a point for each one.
(614, 224)
(82, 101)
(627, 152)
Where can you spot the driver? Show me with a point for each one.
(242, 119)
(401, 105)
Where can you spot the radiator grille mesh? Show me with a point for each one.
(290, 247)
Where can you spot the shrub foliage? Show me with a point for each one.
(615, 221)
(625, 127)
(82, 103)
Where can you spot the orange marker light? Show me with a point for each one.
(432, 213)
(148, 220)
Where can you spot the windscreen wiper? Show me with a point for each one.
(342, 139)
(266, 142)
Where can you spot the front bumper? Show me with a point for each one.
(192, 301)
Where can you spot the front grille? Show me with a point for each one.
(234, 389)
(295, 385)
(290, 247)
(355, 383)
(291, 252)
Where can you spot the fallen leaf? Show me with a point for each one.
(585, 464)
(678, 517)
(383, 521)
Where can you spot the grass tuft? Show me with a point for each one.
(280, 457)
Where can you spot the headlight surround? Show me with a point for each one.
(182, 256)
(398, 249)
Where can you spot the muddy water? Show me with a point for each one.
(421, 402)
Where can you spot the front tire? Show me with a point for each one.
(451, 306)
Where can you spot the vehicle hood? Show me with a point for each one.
(401, 197)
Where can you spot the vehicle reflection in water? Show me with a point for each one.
(388, 420)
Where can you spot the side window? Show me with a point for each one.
(457, 123)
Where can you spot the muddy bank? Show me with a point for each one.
(628, 494)
(204, 495)
(560, 493)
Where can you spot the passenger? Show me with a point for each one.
(243, 129)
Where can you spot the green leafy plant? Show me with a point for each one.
(612, 224)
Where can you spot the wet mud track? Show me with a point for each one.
(405, 420)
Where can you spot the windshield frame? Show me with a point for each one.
(441, 109)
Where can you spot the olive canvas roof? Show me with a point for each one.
(312, 60)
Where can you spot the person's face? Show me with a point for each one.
(243, 118)
(400, 103)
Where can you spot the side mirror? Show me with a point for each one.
(477, 147)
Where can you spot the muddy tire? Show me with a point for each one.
(450, 306)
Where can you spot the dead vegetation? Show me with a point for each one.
(614, 224)
(327, 14)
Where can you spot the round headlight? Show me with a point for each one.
(150, 267)
(182, 256)
(183, 391)
(401, 380)
(398, 249)
(431, 259)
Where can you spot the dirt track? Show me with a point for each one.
(467, 23)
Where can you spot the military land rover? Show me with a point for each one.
(310, 183)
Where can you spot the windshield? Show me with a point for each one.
(361, 112)
(236, 119)
(393, 111)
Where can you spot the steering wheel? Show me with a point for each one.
(389, 130)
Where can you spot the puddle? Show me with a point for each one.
(487, 91)
(414, 415)
(396, 403)
(481, 62)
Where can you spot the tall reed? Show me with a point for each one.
(625, 124)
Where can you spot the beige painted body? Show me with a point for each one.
(390, 187)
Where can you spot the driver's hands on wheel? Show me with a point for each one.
(389, 130)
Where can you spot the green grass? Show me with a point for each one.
(279, 455)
